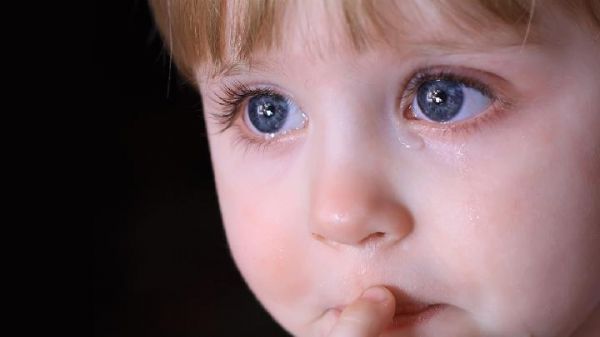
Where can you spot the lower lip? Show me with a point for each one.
(409, 320)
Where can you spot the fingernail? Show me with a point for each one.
(375, 294)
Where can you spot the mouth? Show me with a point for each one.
(413, 314)
(408, 314)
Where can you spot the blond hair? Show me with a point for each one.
(200, 31)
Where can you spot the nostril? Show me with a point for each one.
(318, 236)
(373, 237)
(326, 241)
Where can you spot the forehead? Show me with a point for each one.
(321, 28)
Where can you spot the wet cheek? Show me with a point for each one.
(535, 239)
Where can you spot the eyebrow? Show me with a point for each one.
(418, 48)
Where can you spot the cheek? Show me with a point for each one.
(267, 255)
(267, 238)
(533, 233)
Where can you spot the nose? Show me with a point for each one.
(354, 208)
(354, 185)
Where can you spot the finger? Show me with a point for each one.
(367, 316)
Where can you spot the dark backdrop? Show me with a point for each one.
(161, 266)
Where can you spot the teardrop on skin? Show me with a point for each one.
(411, 140)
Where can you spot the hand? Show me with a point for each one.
(368, 316)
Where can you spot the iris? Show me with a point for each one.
(268, 113)
(440, 100)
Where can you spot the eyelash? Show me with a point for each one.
(233, 96)
(455, 131)
(231, 100)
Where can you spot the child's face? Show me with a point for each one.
(481, 194)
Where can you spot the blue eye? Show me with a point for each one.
(444, 101)
(271, 114)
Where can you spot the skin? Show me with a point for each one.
(500, 223)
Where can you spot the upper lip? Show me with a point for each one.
(411, 308)
(404, 308)
(408, 302)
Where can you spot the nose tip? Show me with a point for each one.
(360, 218)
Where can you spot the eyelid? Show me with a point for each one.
(295, 114)
(235, 95)
(233, 99)
(491, 85)
(466, 76)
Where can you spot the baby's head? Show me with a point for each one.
(447, 150)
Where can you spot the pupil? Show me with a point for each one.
(440, 100)
(266, 110)
(268, 113)
(436, 96)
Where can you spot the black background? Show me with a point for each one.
(161, 266)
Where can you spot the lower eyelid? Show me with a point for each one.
(245, 141)
(502, 94)
(460, 130)
(497, 108)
